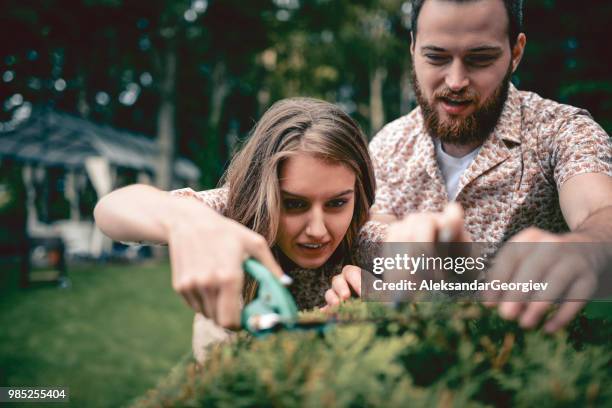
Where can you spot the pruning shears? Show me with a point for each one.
(273, 307)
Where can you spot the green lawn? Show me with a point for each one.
(109, 337)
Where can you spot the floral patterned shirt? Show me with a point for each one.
(514, 180)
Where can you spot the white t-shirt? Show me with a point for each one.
(453, 168)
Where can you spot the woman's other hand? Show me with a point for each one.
(344, 285)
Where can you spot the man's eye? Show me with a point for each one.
(292, 204)
(436, 59)
(480, 60)
(337, 203)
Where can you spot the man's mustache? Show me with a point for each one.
(464, 95)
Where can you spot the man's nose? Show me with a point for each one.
(457, 77)
(316, 224)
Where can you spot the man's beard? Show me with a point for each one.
(471, 130)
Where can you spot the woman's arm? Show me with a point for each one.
(141, 213)
(206, 249)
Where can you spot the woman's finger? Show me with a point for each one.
(341, 288)
(331, 298)
(257, 247)
(352, 275)
(208, 297)
(228, 308)
(193, 302)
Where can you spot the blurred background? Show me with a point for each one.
(97, 94)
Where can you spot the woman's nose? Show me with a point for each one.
(316, 224)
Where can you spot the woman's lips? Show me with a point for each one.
(312, 248)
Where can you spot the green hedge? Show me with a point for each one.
(427, 354)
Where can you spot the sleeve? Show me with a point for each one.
(383, 203)
(371, 236)
(215, 198)
(581, 146)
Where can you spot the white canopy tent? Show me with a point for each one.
(84, 149)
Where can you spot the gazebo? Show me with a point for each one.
(85, 150)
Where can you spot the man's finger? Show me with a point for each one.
(532, 268)
(510, 310)
(563, 316)
(575, 300)
(503, 267)
(450, 223)
(534, 313)
(424, 229)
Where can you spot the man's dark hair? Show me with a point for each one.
(514, 10)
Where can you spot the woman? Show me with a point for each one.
(297, 195)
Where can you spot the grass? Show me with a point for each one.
(109, 338)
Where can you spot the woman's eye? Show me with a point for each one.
(292, 204)
(336, 203)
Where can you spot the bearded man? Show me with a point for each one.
(480, 160)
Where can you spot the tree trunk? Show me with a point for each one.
(216, 148)
(166, 132)
(407, 95)
(82, 104)
(377, 112)
(220, 91)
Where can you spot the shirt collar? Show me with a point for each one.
(508, 126)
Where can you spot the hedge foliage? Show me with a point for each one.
(426, 354)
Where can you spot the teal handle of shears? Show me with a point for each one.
(272, 297)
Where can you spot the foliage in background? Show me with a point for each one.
(426, 354)
(198, 73)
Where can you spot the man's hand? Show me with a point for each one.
(344, 285)
(586, 202)
(571, 272)
(446, 226)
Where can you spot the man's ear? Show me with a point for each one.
(518, 50)
(412, 44)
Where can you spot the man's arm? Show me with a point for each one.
(384, 218)
(586, 202)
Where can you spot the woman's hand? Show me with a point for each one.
(344, 285)
(206, 252)
(206, 249)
